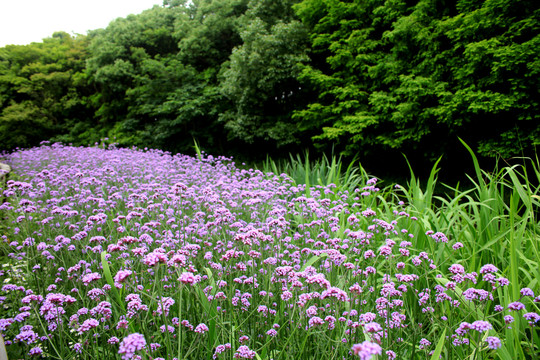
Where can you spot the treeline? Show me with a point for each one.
(368, 77)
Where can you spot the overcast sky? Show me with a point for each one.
(26, 21)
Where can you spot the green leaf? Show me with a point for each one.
(438, 349)
(313, 260)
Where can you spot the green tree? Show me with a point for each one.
(417, 74)
(116, 54)
(42, 90)
(206, 41)
(260, 80)
(156, 73)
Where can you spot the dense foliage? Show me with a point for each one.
(363, 76)
(129, 254)
(404, 74)
(43, 90)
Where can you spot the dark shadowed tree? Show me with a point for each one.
(415, 75)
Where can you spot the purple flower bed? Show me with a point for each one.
(131, 254)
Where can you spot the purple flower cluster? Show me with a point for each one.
(243, 352)
(131, 344)
(366, 350)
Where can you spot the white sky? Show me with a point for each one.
(26, 21)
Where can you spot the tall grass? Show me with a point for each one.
(497, 222)
(495, 218)
(321, 172)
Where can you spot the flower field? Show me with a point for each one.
(138, 254)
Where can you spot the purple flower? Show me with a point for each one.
(527, 292)
(243, 352)
(131, 344)
(424, 343)
(221, 348)
(456, 269)
(463, 328)
(121, 276)
(243, 339)
(187, 278)
(87, 325)
(372, 327)
(311, 311)
(201, 328)
(368, 212)
(516, 306)
(164, 305)
(385, 250)
(287, 295)
(532, 317)
(335, 292)
(88, 278)
(439, 237)
(481, 326)
(366, 349)
(315, 321)
(28, 336)
(35, 351)
(488, 268)
(493, 342)
(169, 328)
(155, 258)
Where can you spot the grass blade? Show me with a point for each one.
(439, 348)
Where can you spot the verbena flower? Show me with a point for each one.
(508, 319)
(366, 350)
(88, 325)
(372, 327)
(456, 269)
(424, 343)
(201, 328)
(169, 221)
(243, 352)
(532, 317)
(488, 268)
(481, 326)
(131, 344)
(493, 342)
(35, 351)
(516, 306)
(188, 278)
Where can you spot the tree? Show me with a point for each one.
(42, 90)
(260, 79)
(117, 52)
(156, 73)
(415, 75)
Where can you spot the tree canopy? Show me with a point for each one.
(402, 74)
(362, 76)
